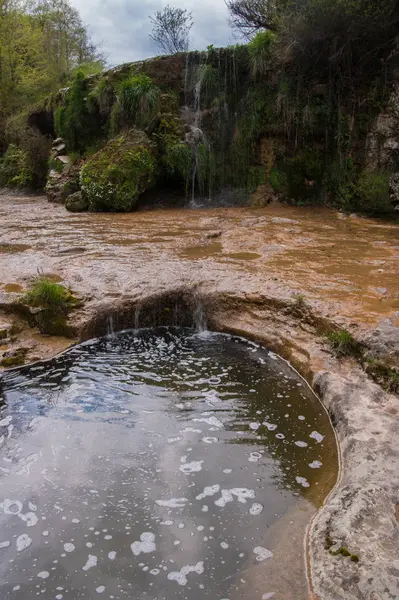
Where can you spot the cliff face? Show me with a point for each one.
(226, 132)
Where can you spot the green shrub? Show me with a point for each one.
(113, 179)
(15, 170)
(74, 120)
(178, 159)
(46, 294)
(55, 165)
(260, 51)
(278, 180)
(104, 96)
(138, 99)
(372, 192)
(343, 343)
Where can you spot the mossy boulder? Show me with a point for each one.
(114, 178)
(76, 203)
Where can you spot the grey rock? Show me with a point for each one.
(76, 203)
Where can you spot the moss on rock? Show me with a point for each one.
(114, 178)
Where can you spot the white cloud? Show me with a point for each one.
(123, 26)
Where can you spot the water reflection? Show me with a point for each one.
(158, 464)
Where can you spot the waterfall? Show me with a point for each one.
(199, 317)
(137, 319)
(110, 329)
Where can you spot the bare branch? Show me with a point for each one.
(170, 29)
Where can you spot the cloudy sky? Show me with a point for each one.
(122, 26)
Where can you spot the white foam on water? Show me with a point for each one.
(254, 426)
(213, 421)
(262, 553)
(268, 596)
(256, 509)
(5, 422)
(112, 555)
(155, 572)
(75, 520)
(16, 588)
(166, 522)
(317, 436)
(210, 440)
(270, 426)
(302, 481)
(301, 444)
(254, 456)
(59, 597)
(316, 464)
(6, 544)
(8, 506)
(45, 533)
(107, 537)
(30, 519)
(193, 467)
(172, 503)
(280, 436)
(43, 574)
(146, 545)
(174, 439)
(91, 562)
(301, 418)
(205, 508)
(32, 506)
(224, 545)
(100, 589)
(210, 490)
(200, 528)
(242, 494)
(227, 471)
(23, 542)
(190, 430)
(69, 547)
(181, 576)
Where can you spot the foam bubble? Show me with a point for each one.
(146, 545)
(91, 562)
(210, 440)
(43, 574)
(256, 509)
(100, 589)
(316, 464)
(181, 576)
(5, 544)
(301, 444)
(112, 555)
(262, 553)
(69, 547)
(172, 503)
(317, 436)
(193, 467)
(242, 495)
(23, 542)
(210, 490)
(213, 421)
(302, 481)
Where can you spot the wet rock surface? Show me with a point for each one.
(248, 280)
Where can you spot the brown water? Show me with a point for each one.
(160, 464)
(348, 265)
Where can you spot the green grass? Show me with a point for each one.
(343, 343)
(46, 294)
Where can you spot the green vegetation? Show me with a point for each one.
(44, 293)
(15, 359)
(113, 179)
(372, 192)
(15, 170)
(343, 343)
(137, 101)
(385, 375)
(53, 301)
(260, 50)
(74, 121)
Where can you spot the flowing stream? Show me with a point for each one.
(159, 464)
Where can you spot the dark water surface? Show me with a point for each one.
(159, 464)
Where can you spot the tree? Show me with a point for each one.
(170, 29)
(249, 16)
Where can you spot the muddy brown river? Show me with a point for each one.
(160, 464)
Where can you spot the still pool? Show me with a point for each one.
(157, 465)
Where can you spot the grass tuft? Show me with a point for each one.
(343, 343)
(44, 293)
